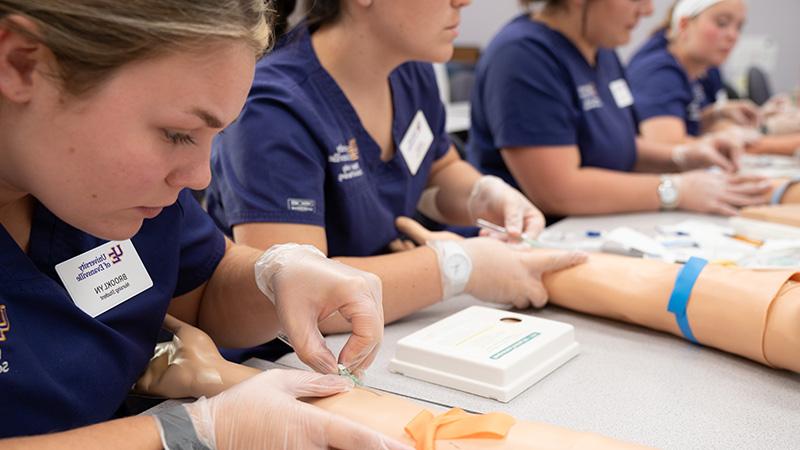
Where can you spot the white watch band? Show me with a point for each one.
(455, 266)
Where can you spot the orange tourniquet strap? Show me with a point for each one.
(457, 424)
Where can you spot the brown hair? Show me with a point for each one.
(316, 13)
(91, 39)
(548, 3)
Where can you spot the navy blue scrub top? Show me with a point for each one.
(662, 87)
(59, 367)
(534, 89)
(299, 153)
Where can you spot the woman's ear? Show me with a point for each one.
(20, 57)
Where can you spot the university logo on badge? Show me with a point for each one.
(5, 324)
(589, 97)
(116, 254)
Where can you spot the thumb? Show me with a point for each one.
(298, 383)
(716, 158)
(413, 230)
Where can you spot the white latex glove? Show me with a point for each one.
(501, 273)
(513, 274)
(263, 413)
(778, 104)
(741, 112)
(718, 193)
(783, 123)
(494, 200)
(715, 150)
(307, 288)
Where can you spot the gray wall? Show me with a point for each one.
(770, 38)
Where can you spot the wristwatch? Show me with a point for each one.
(455, 266)
(668, 193)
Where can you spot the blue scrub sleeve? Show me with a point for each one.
(527, 101)
(660, 92)
(202, 245)
(272, 164)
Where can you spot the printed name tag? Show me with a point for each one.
(104, 277)
(416, 142)
(621, 92)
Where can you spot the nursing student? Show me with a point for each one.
(553, 114)
(107, 112)
(676, 82)
(357, 128)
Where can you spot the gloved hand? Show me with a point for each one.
(723, 150)
(783, 123)
(740, 112)
(500, 273)
(307, 288)
(187, 366)
(494, 200)
(718, 193)
(263, 413)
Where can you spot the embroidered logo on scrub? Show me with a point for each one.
(589, 97)
(347, 159)
(5, 325)
(693, 111)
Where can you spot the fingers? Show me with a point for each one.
(534, 223)
(715, 158)
(298, 383)
(413, 230)
(512, 219)
(310, 347)
(345, 434)
(401, 245)
(365, 313)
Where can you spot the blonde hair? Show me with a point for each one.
(91, 39)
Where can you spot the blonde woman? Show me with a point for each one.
(107, 111)
(675, 79)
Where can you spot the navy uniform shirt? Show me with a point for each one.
(299, 153)
(535, 89)
(60, 368)
(662, 87)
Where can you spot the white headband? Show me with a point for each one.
(690, 9)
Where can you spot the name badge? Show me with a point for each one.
(621, 92)
(416, 142)
(104, 277)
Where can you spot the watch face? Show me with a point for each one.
(457, 266)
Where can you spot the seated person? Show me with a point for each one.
(552, 114)
(678, 88)
(357, 128)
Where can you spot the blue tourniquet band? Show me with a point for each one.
(679, 300)
(778, 194)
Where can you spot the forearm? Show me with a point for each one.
(786, 144)
(455, 184)
(233, 311)
(135, 433)
(410, 279)
(655, 157)
(588, 191)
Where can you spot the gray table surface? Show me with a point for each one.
(629, 382)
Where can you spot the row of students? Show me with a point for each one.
(340, 135)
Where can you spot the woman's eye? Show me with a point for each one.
(178, 138)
